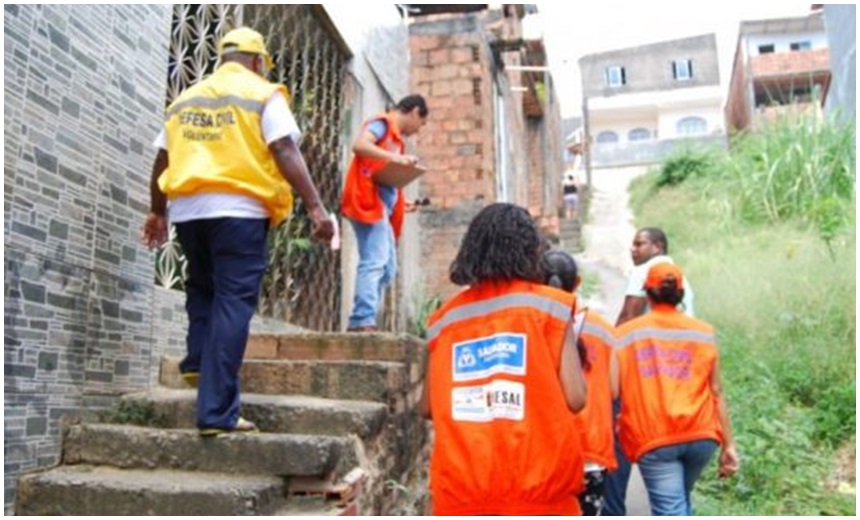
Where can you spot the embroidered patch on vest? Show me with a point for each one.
(503, 353)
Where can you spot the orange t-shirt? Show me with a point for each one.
(666, 361)
(360, 200)
(505, 441)
(595, 420)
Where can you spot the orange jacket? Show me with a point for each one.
(595, 420)
(505, 440)
(666, 361)
(361, 201)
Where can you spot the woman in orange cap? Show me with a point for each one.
(673, 411)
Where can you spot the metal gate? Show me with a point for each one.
(302, 284)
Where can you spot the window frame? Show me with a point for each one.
(608, 76)
(686, 121)
(689, 69)
(616, 138)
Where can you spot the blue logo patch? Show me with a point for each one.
(498, 354)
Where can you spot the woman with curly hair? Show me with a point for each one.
(504, 379)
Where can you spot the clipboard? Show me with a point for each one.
(398, 175)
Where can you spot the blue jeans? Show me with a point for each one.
(615, 496)
(377, 266)
(670, 473)
(226, 262)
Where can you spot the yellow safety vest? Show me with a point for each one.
(215, 141)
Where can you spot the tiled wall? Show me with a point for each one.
(83, 99)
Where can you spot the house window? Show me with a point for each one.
(801, 46)
(615, 76)
(639, 134)
(682, 70)
(607, 136)
(765, 49)
(692, 125)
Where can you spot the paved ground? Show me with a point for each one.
(608, 233)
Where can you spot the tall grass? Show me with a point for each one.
(783, 306)
(797, 167)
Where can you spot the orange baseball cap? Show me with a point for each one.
(662, 272)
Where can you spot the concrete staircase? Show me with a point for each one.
(340, 436)
(570, 235)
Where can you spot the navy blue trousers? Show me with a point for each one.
(226, 262)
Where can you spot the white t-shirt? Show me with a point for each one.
(277, 121)
(640, 274)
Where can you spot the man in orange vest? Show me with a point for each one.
(375, 210)
(673, 411)
(504, 379)
(597, 340)
(227, 159)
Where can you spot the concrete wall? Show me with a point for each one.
(782, 42)
(841, 23)
(649, 67)
(84, 96)
(647, 152)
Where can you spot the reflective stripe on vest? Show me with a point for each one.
(482, 308)
(249, 105)
(668, 335)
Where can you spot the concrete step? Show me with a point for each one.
(97, 490)
(348, 380)
(173, 408)
(358, 380)
(376, 346)
(137, 447)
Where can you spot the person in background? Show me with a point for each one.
(650, 247)
(674, 414)
(504, 379)
(226, 159)
(374, 210)
(595, 420)
(570, 191)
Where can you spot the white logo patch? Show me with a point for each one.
(495, 400)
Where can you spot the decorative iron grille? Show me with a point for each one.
(302, 284)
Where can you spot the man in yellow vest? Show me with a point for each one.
(233, 157)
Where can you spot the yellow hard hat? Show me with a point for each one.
(244, 39)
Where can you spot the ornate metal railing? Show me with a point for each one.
(302, 284)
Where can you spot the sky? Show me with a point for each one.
(573, 29)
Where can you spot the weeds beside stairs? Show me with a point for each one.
(341, 435)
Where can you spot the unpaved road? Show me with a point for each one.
(608, 232)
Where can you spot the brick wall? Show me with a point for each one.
(737, 111)
(790, 63)
(84, 96)
(451, 68)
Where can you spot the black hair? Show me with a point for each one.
(559, 270)
(502, 243)
(657, 236)
(668, 292)
(410, 102)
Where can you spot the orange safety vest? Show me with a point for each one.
(666, 361)
(361, 201)
(505, 440)
(595, 420)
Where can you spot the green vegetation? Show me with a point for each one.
(767, 235)
(136, 413)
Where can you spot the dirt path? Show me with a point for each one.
(608, 233)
